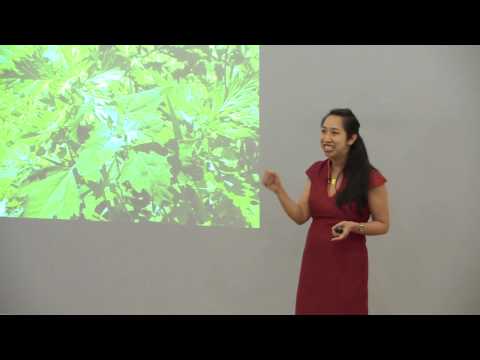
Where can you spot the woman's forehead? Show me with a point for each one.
(333, 121)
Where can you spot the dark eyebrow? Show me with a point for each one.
(333, 128)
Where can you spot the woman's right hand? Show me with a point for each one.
(271, 181)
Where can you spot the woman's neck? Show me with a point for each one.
(337, 165)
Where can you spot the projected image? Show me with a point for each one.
(141, 133)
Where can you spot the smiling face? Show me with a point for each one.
(334, 139)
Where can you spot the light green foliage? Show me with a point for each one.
(56, 196)
(146, 171)
(131, 132)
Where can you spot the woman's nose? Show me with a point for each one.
(326, 138)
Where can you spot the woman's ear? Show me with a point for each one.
(352, 139)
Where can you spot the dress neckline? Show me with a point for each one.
(326, 188)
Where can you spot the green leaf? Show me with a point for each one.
(91, 202)
(211, 182)
(144, 77)
(165, 134)
(218, 151)
(144, 101)
(55, 56)
(53, 197)
(250, 212)
(150, 172)
(8, 173)
(6, 63)
(87, 108)
(127, 50)
(187, 100)
(98, 150)
(103, 79)
(234, 131)
(186, 152)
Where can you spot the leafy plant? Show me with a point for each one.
(134, 133)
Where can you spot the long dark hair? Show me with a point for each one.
(357, 167)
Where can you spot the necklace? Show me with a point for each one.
(331, 179)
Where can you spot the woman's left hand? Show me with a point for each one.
(347, 227)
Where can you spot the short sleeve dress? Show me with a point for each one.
(334, 274)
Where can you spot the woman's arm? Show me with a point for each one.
(378, 203)
(300, 211)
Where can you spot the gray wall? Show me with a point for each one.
(418, 107)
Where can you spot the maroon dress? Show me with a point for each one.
(334, 274)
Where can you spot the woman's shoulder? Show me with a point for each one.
(376, 178)
(315, 168)
(319, 163)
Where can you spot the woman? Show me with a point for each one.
(341, 193)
